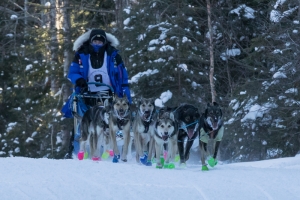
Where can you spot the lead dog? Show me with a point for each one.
(211, 127)
(94, 130)
(165, 137)
(187, 117)
(143, 128)
(120, 120)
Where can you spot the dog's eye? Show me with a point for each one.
(143, 105)
(187, 118)
(169, 126)
(162, 126)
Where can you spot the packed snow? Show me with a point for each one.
(28, 178)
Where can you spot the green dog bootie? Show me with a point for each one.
(162, 160)
(171, 166)
(204, 168)
(159, 166)
(177, 158)
(105, 155)
(153, 160)
(212, 162)
(86, 155)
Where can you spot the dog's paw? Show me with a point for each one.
(159, 166)
(111, 153)
(80, 155)
(95, 158)
(204, 168)
(116, 158)
(212, 162)
(182, 165)
(86, 155)
(124, 160)
(169, 166)
(148, 163)
(143, 159)
(105, 155)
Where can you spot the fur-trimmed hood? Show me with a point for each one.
(86, 36)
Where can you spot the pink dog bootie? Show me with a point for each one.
(95, 158)
(165, 154)
(111, 153)
(80, 155)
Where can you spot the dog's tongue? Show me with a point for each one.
(215, 125)
(190, 133)
(146, 116)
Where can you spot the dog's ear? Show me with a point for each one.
(106, 104)
(197, 115)
(215, 104)
(171, 115)
(114, 97)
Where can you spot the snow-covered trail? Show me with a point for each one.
(26, 178)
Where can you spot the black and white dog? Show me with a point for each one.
(211, 127)
(143, 129)
(120, 120)
(187, 117)
(95, 131)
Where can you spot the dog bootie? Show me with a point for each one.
(169, 166)
(153, 160)
(162, 160)
(159, 166)
(80, 155)
(165, 154)
(204, 168)
(116, 158)
(177, 158)
(148, 163)
(143, 159)
(105, 155)
(95, 158)
(111, 153)
(212, 162)
(182, 165)
(86, 155)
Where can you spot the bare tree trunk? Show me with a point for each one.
(211, 52)
(55, 25)
(65, 89)
(120, 5)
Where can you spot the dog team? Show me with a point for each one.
(159, 134)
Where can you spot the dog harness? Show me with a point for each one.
(146, 122)
(121, 121)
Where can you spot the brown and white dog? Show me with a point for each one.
(120, 120)
(143, 129)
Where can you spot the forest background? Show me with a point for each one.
(168, 49)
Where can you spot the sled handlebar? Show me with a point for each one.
(101, 84)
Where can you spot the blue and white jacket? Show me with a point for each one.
(115, 67)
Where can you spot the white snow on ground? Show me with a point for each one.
(27, 178)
